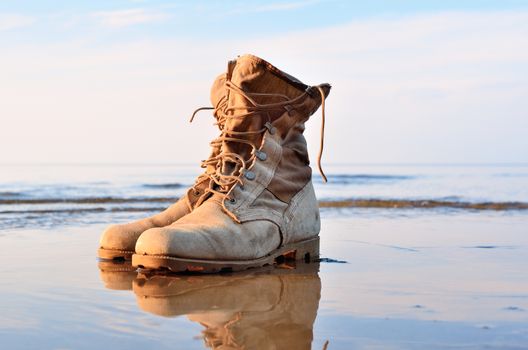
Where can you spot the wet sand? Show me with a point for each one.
(412, 280)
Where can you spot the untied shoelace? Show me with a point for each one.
(225, 181)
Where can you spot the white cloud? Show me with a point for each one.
(285, 6)
(448, 87)
(14, 21)
(129, 17)
(271, 7)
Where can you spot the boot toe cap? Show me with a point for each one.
(181, 242)
(118, 237)
(154, 241)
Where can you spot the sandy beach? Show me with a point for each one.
(389, 279)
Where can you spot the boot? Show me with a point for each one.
(118, 241)
(262, 310)
(261, 203)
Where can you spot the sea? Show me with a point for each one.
(412, 257)
(47, 195)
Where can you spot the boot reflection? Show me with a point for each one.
(117, 275)
(264, 309)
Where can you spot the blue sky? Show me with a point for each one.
(414, 81)
(205, 18)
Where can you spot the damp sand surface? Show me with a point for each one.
(412, 257)
(388, 279)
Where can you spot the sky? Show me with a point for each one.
(116, 81)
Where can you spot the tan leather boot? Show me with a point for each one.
(261, 203)
(264, 310)
(118, 241)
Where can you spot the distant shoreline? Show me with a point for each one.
(346, 203)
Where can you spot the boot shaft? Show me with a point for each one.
(260, 97)
(275, 184)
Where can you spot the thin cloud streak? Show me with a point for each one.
(285, 6)
(14, 21)
(129, 17)
(272, 7)
(447, 87)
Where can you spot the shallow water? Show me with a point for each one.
(49, 195)
(414, 278)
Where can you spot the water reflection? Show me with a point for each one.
(272, 308)
(117, 275)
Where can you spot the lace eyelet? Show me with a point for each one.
(232, 200)
(271, 128)
(261, 155)
(196, 192)
(250, 175)
(289, 110)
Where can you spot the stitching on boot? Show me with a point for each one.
(118, 250)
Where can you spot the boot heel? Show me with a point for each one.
(308, 251)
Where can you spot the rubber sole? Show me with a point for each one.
(114, 254)
(306, 250)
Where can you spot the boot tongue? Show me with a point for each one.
(254, 76)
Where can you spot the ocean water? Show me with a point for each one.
(418, 277)
(435, 280)
(47, 195)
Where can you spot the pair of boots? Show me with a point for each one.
(268, 308)
(255, 201)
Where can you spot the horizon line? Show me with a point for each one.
(521, 164)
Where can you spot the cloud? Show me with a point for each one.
(129, 17)
(445, 87)
(271, 7)
(14, 21)
(425, 88)
(284, 6)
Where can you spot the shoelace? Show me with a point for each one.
(221, 104)
(225, 181)
(321, 141)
